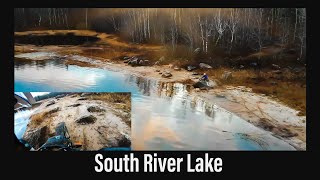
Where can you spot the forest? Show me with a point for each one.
(227, 31)
(250, 62)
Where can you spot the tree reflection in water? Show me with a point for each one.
(175, 92)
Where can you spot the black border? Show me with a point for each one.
(242, 164)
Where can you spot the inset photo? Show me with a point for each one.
(65, 121)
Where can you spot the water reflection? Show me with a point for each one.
(164, 115)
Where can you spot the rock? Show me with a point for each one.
(204, 66)
(133, 61)
(50, 103)
(146, 62)
(95, 109)
(141, 62)
(82, 99)
(274, 66)
(124, 141)
(220, 96)
(74, 105)
(254, 64)
(126, 58)
(75, 95)
(54, 110)
(176, 68)
(195, 73)
(190, 68)
(157, 70)
(201, 85)
(157, 63)
(226, 75)
(276, 72)
(197, 51)
(36, 137)
(126, 61)
(61, 129)
(166, 74)
(162, 59)
(87, 119)
(160, 72)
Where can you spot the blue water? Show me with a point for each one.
(164, 115)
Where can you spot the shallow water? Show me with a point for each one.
(164, 115)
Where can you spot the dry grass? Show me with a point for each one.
(118, 100)
(38, 118)
(287, 87)
(121, 101)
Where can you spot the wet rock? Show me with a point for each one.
(74, 105)
(195, 73)
(190, 68)
(50, 103)
(166, 74)
(54, 110)
(126, 61)
(126, 58)
(95, 109)
(201, 85)
(162, 59)
(274, 66)
(36, 137)
(204, 66)
(176, 68)
(87, 119)
(226, 75)
(197, 51)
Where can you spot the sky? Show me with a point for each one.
(34, 94)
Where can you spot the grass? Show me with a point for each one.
(38, 118)
(119, 100)
(287, 87)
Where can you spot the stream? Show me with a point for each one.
(164, 115)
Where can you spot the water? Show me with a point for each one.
(164, 115)
(21, 119)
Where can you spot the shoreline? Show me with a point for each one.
(261, 111)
